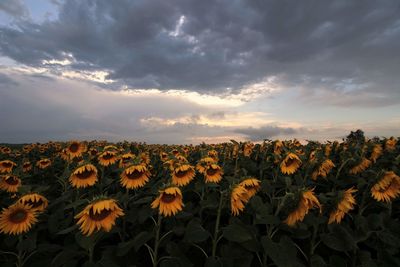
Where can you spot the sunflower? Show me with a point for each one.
(169, 201)
(377, 151)
(290, 164)
(93, 152)
(111, 148)
(239, 197)
(312, 156)
(390, 144)
(135, 176)
(17, 219)
(235, 151)
(360, 167)
(99, 215)
(278, 147)
(323, 170)
(43, 163)
(6, 150)
(6, 166)
(308, 200)
(387, 188)
(163, 156)
(183, 175)
(10, 183)
(328, 150)
(247, 149)
(345, 205)
(145, 158)
(252, 185)
(203, 164)
(76, 149)
(83, 176)
(26, 166)
(107, 158)
(124, 160)
(213, 173)
(37, 202)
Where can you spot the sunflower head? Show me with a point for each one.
(203, 164)
(17, 219)
(377, 151)
(10, 183)
(239, 197)
(145, 158)
(361, 166)
(26, 166)
(163, 156)
(101, 214)
(183, 175)
(252, 186)
(6, 166)
(135, 176)
(307, 200)
(169, 201)
(345, 204)
(37, 202)
(107, 158)
(213, 173)
(83, 176)
(75, 149)
(247, 149)
(387, 188)
(278, 146)
(213, 154)
(390, 144)
(125, 160)
(43, 163)
(290, 164)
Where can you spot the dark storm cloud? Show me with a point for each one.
(223, 44)
(265, 132)
(15, 8)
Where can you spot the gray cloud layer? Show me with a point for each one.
(342, 48)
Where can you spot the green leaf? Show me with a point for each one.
(317, 261)
(237, 233)
(68, 230)
(195, 233)
(139, 240)
(283, 253)
(339, 239)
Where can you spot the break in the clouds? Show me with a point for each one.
(186, 70)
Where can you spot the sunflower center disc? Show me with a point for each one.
(290, 162)
(74, 147)
(18, 216)
(211, 171)
(134, 175)
(7, 164)
(85, 174)
(108, 156)
(181, 174)
(99, 216)
(168, 198)
(12, 181)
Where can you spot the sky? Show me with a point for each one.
(189, 71)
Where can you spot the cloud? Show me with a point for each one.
(15, 8)
(226, 49)
(266, 132)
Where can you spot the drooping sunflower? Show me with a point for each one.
(6, 166)
(125, 159)
(390, 144)
(43, 163)
(307, 201)
(290, 164)
(360, 167)
(10, 183)
(323, 170)
(387, 188)
(252, 185)
(76, 149)
(247, 149)
(239, 197)
(328, 149)
(37, 202)
(213, 173)
(17, 219)
(278, 146)
(345, 205)
(183, 175)
(377, 151)
(169, 201)
(213, 154)
(135, 176)
(84, 176)
(107, 158)
(26, 166)
(203, 164)
(98, 215)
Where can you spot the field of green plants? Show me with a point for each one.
(275, 203)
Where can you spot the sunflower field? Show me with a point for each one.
(275, 203)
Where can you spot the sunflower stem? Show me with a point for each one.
(20, 256)
(216, 230)
(157, 241)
